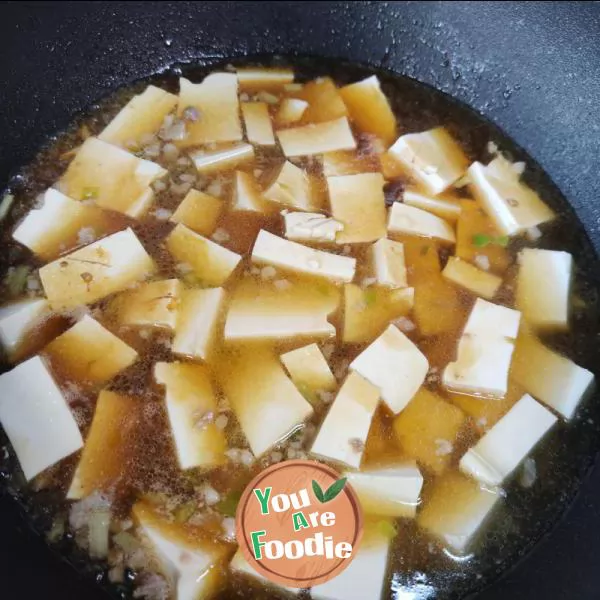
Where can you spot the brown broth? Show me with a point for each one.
(418, 566)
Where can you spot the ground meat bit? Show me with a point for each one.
(393, 191)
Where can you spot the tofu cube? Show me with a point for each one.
(344, 431)
(447, 209)
(290, 111)
(432, 158)
(36, 417)
(17, 320)
(427, 429)
(395, 365)
(544, 287)
(408, 220)
(276, 251)
(369, 109)
(258, 312)
(197, 319)
(349, 162)
(247, 195)
(493, 320)
(142, 115)
(88, 353)
(57, 226)
(457, 510)
(308, 369)
(113, 178)
(259, 129)
(263, 78)
(513, 206)
(471, 278)
(211, 263)
(291, 187)
(96, 271)
(391, 491)
(324, 101)
(266, 403)
(311, 139)
(216, 99)
(192, 409)
(199, 212)
(387, 263)
(310, 227)
(229, 157)
(365, 576)
(550, 377)
(357, 201)
(500, 451)
(185, 554)
(152, 303)
(109, 449)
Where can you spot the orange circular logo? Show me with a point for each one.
(299, 524)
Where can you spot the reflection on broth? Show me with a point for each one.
(261, 265)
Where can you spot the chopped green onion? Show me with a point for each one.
(228, 506)
(16, 279)
(370, 296)
(183, 512)
(387, 529)
(5, 205)
(480, 240)
(90, 193)
(502, 241)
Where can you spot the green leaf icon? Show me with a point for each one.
(318, 491)
(331, 492)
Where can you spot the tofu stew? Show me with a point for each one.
(217, 270)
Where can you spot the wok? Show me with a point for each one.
(533, 69)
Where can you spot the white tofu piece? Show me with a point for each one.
(217, 102)
(199, 211)
(224, 158)
(449, 210)
(258, 312)
(211, 263)
(456, 510)
(152, 303)
(239, 565)
(544, 287)
(387, 263)
(88, 352)
(549, 377)
(311, 227)
(357, 201)
(291, 187)
(96, 271)
(261, 78)
(493, 320)
(390, 491)
(500, 451)
(55, 227)
(344, 431)
(481, 367)
(369, 108)
(36, 417)
(431, 157)
(197, 318)
(266, 403)
(512, 206)
(186, 555)
(247, 195)
(290, 111)
(142, 115)
(485, 351)
(408, 220)
(259, 129)
(350, 162)
(191, 408)
(17, 320)
(395, 365)
(308, 368)
(113, 178)
(365, 576)
(109, 449)
(467, 276)
(278, 252)
(318, 138)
